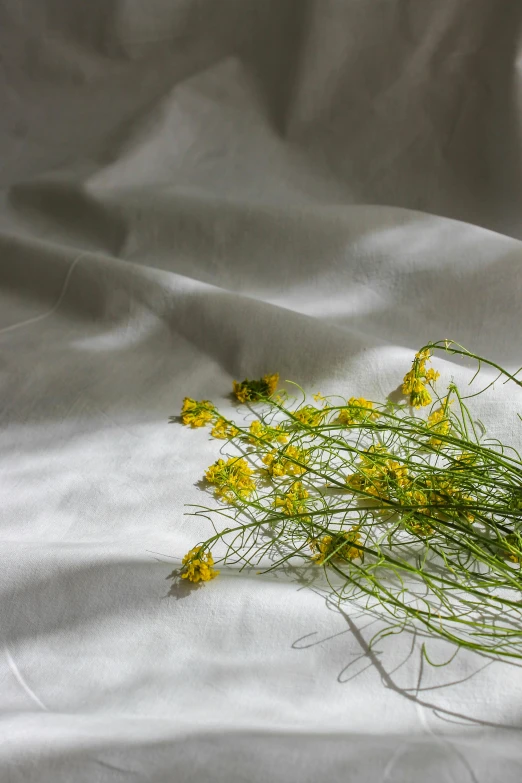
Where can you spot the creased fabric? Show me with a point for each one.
(193, 192)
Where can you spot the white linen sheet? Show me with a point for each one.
(194, 192)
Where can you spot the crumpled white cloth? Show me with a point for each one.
(195, 192)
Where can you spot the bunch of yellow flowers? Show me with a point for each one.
(415, 380)
(197, 414)
(288, 461)
(198, 566)
(345, 545)
(382, 496)
(357, 410)
(232, 479)
(293, 502)
(252, 391)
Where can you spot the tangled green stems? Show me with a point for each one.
(416, 518)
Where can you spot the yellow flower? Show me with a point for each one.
(293, 453)
(378, 478)
(345, 545)
(241, 391)
(439, 424)
(407, 382)
(251, 391)
(224, 431)
(358, 409)
(436, 417)
(356, 481)
(261, 432)
(197, 414)
(281, 463)
(416, 497)
(424, 355)
(274, 467)
(232, 479)
(420, 396)
(441, 495)
(396, 472)
(271, 382)
(419, 527)
(282, 436)
(292, 502)
(467, 514)
(465, 459)
(309, 416)
(257, 432)
(319, 397)
(415, 380)
(198, 566)
(416, 521)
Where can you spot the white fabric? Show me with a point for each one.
(194, 192)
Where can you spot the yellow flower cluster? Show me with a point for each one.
(377, 476)
(387, 479)
(420, 527)
(444, 490)
(357, 410)
(250, 391)
(466, 459)
(309, 416)
(439, 423)
(198, 566)
(293, 501)
(197, 414)
(281, 463)
(232, 479)
(262, 432)
(414, 382)
(433, 500)
(223, 430)
(416, 497)
(345, 545)
(417, 524)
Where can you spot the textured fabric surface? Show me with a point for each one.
(194, 191)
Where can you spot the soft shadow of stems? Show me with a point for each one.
(307, 578)
(181, 589)
(411, 694)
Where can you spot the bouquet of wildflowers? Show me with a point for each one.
(414, 515)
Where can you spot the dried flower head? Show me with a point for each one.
(253, 391)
